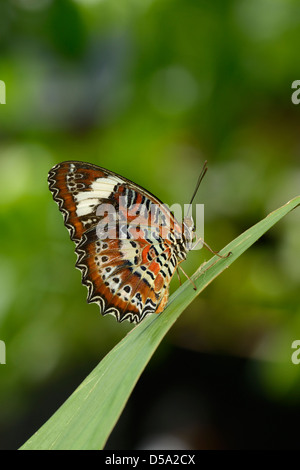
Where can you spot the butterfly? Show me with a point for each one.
(128, 243)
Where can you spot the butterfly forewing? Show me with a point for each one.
(126, 239)
(79, 188)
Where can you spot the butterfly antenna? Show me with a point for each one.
(201, 176)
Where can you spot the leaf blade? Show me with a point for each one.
(86, 419)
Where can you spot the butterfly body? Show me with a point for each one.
(128, 243)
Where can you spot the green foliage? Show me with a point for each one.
(88, 416)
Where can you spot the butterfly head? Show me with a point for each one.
(188, 228)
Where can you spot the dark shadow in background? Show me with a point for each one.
(187, 401)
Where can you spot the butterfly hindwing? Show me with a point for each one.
(120, 280)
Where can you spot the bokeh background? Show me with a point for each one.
(150, 89)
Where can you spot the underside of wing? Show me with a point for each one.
(79, 188)
(123, 278)
(124, 237)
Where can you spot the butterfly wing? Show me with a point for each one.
(126, 266)
(79, 188)
(118, 280)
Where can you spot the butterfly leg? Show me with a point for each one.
(200, 240)
(192, 282)
(178, 275)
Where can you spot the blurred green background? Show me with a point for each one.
(150, 89)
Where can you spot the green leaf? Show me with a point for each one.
(87, 418)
